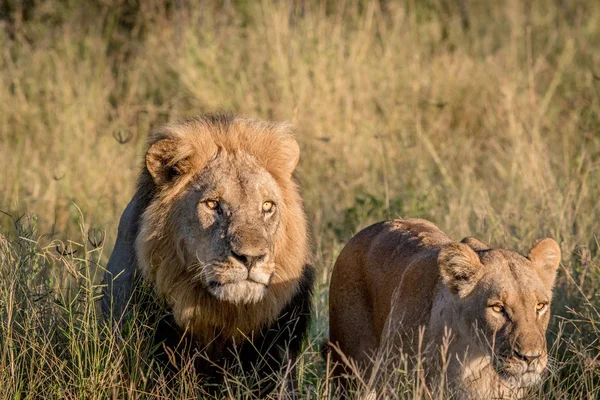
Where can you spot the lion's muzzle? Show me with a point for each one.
(523, 369)
(240, 278)
(249, 261)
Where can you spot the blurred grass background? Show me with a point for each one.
(483, 117)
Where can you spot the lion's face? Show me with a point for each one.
(503, 302)
(224, 220)
(225, 226)
(509, 313)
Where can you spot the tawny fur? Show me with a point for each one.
(198, 259)
(397, 277)
(196, 142)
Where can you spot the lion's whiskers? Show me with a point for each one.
(199, 269)
(552, 366)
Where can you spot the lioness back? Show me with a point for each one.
(368, 270)
(404, 286)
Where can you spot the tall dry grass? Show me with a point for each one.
(483, 117)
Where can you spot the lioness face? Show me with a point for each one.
(504, 306)
(512, 309)
(226, 224)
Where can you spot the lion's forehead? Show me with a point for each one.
(236, 177)
(510, 276)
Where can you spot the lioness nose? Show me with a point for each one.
(528, 357)
(248, 260)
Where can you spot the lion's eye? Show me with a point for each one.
(540, 306)
(212, 204)
(268, 206)
(497, 308)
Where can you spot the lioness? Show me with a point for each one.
(217, 228)
(398, 276)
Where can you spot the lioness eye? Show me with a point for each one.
(540, 306)
(497, 308)
(268, 206)
(212, 204)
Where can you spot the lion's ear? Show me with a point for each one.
(165, 161)
(290, 153)
(274, 145)
(459, 268)
(545, 257)
(475, 244)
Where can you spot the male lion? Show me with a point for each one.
(396, 278)
(217, 228)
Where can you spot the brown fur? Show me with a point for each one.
(396, 277)
(218, 230)
(190, 147)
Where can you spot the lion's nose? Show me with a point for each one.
(528, 357)
(247, 259)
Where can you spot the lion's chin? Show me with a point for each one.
(520, 379)
(242, 292)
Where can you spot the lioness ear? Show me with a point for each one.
(165, 162)
(459, 268)
(545, 256)
(475, 244)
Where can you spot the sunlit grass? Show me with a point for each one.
(483, 117)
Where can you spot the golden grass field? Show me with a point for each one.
(483, 117)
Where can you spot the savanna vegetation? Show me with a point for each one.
(483, 117)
